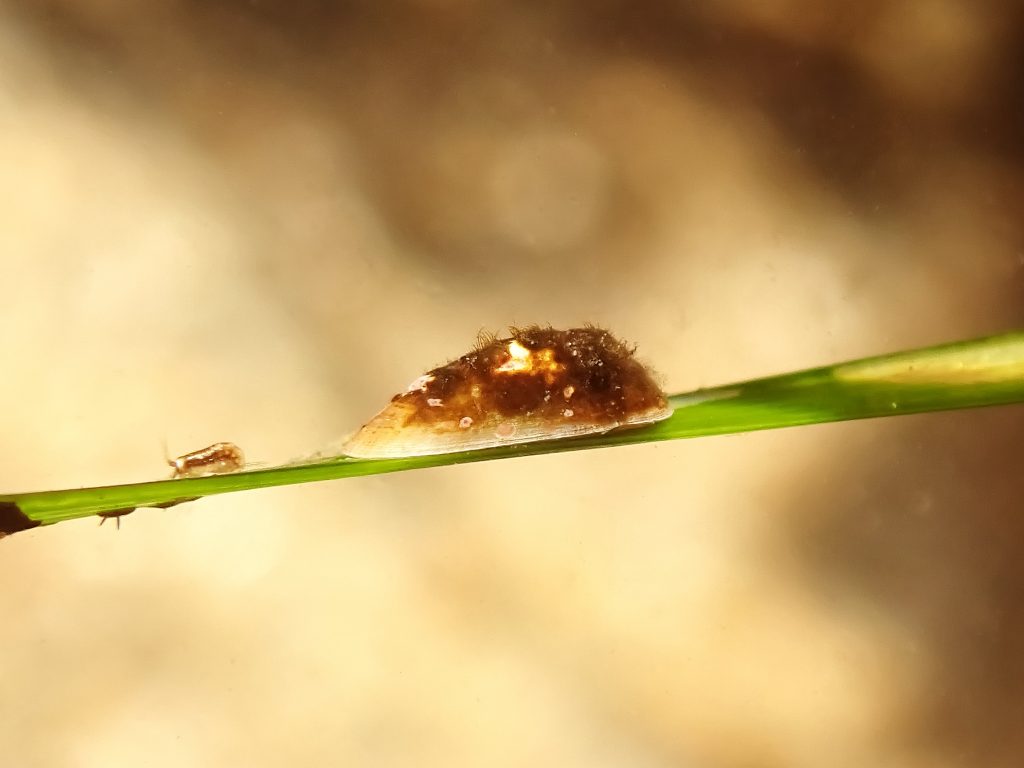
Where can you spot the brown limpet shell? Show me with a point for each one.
(537, 384)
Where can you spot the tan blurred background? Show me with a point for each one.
(257, 220)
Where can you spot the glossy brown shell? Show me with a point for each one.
(537, 384)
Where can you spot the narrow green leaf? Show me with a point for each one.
(966, 374)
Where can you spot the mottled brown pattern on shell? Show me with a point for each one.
(606, 384)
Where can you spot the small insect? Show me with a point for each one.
(117, 514)
(537, 384)
(216, 459)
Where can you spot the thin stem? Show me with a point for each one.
(969, 374)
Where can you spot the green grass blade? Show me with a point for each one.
(967, 374)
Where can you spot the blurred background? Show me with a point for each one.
(257, 220)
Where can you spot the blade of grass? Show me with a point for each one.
(967, 374)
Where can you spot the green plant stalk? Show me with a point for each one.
(968, 374)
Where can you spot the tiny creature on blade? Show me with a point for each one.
(537, 384)
(216, 459)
